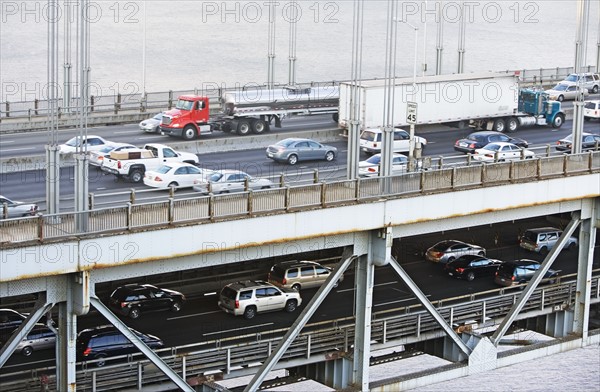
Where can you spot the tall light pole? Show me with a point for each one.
(461, 39)
(411, 148)
(439, 42)
(583, 10)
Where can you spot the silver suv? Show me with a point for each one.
(298, 275)
(256, 296)
(588, 80)
(542, 240)
(446, 251)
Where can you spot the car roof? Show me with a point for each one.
(521, 262)
(295, 263)
(543, 229)
(249, 284)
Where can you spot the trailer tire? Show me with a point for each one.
(259, 126)
(512, 124)
(558, 121)
(499, 125)
(243, 127)
(189, 132)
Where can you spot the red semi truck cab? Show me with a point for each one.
(185, 120)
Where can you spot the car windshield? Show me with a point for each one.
(107, 149)
(375, 159)
(74, 142)
(530, 235)
(163, 169)
(441, 246)
(158, 117)
(590, 105)
(571, 78)
(183, 104)
(285, 142)
(214, 177)
(560, 87)
(476, 137)
(492, 147)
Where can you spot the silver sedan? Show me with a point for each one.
(225, 181)
(293, 150)
(15, 209)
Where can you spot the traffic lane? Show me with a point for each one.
(32, 143)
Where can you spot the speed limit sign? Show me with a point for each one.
(411, 112)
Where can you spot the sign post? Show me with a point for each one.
(411, 118)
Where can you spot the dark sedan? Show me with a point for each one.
(470, 267)
(482, 138)
(293, 150)
(589, 142)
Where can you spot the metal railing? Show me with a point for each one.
(326, 339)
(159, 101)
(291, 198)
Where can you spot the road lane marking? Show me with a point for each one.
(8, 141)
(237, 329)
(17, 149)
(192, 315)
(377, 285)
(150, 137)
(120, 132)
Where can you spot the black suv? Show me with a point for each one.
(133, 299)
(521, 271)
(106, 341)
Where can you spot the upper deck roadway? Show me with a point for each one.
(65, 256)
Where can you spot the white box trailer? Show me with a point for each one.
(458, 100)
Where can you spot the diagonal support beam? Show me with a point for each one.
(305, 315)
(429, 307)
(151, 355)
(537, 278)
(41, 307)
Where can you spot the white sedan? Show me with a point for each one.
(371, 166)
(225, 181)
(175, 174)
(501, 151)
(89, 143)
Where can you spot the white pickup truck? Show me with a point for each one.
(133, 163)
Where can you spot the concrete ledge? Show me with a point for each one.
(233, 143)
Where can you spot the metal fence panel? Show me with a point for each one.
(437, 179)
(230, 204)
(268, 200)
(150, 214)
(496, 172)
(340, 191)
(191, 209)
(304, 196)
(551, 166)
(467, 175)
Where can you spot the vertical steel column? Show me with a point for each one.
(355, 91)
(52, 149)
(66, 346)
(598, 44)
(439, 42)
(67, 66)
(587, 239)
(388, 95)
(293, 19)
(271, 45)
(364, 277)
(583, 10)
(461, 39)
(81, 166)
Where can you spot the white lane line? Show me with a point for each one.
(120, 132)
(7, 141)
(237, 329)
(40, 361)
(18, 149)
(150, 137)
(377, 285)
(193, 315)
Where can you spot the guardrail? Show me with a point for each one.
(327, 339)
(205, 209)
(158, 101)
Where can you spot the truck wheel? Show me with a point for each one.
(499, 125)
(259, 126)
(243, 127)
(136, 176)
(558, 121)
(512, 124)
(189, 132)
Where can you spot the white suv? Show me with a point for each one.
(256, 296)
(591, 109)
(588, 80)
(371, 141)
